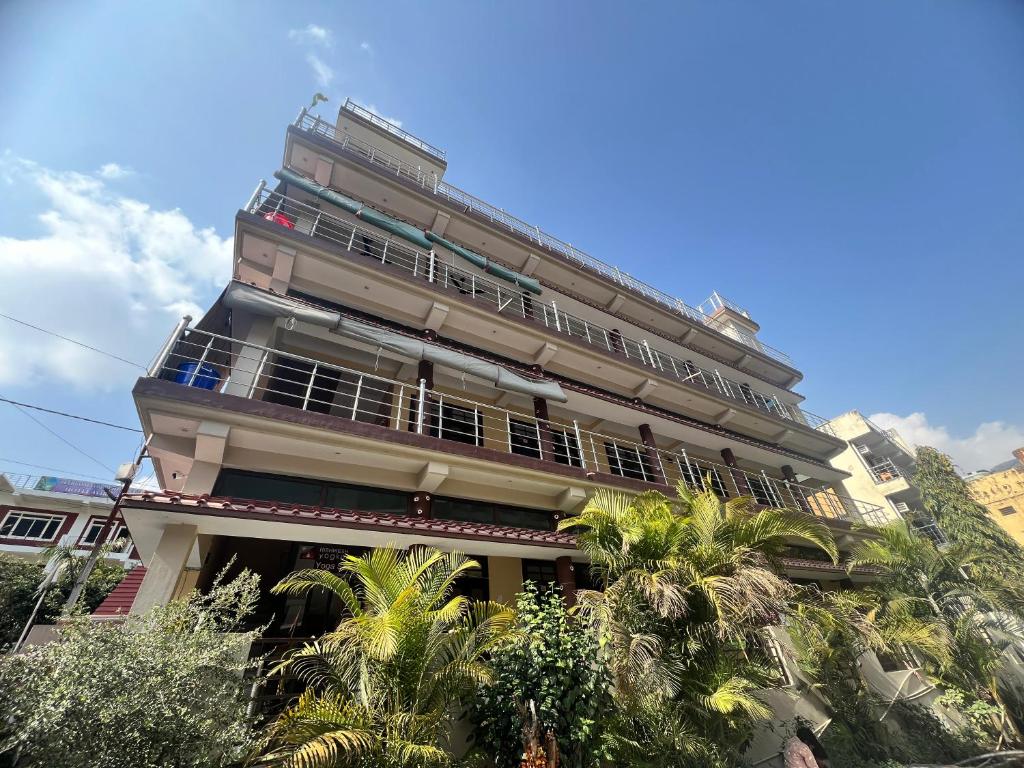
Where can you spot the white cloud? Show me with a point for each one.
(113, 171)
(365, 46)
(324, 74)
(107, 270)
(312, 34)
(991, 443)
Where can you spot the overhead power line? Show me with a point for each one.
(64, 440)
(72, 341)
(49, 469)
(68, 415)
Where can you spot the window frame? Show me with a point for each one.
(50, 518)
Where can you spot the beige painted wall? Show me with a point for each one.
(1002, 491)
(505, 575)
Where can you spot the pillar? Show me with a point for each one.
(247, 364)
(790, 475)
(505, 578)
(547, 443)
(651, 449)
(737, 475)
(566, 575)
(165, 567)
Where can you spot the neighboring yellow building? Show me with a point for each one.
(1002, 491)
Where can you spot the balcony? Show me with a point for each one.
(377, 248)
(885, 471)
(429, 182)
(393, 129)
(385, 408)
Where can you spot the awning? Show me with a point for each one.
(264, 303)
(526, 283)
(407, 232)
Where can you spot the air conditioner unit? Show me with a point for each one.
(902, 507)
(863, 450)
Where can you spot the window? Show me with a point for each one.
(491, 514)
(628, 461)
(31, 526)
(1007, 511)
(362, 499)
(566, 448)
(540, 572)
(697, 476)
(453, 422)
(523, 438)
(761, 491)
(289, 384)
(118, 531)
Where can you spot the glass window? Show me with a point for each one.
(466, 511)
(1007, 511)
(366, 499)
(462, 425)
(628, 461)
(540, 572)
(238, 484)
(697, 475)
(518, 517)
(760, 491)
(566, 448)
(29, 525)
(522, 438)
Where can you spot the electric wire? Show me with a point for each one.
(68, 415)
(72, 341)
(58, 436)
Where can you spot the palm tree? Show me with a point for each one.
(688, 584)
(943, 603)
(384, 687)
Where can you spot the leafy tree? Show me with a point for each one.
(688, 587)
(942, 602)
(947, 497)
(384, 688)
(551, 661)
(161, 690)
(19, 579)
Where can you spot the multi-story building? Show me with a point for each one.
(879, 467)
(1001, 490)
(397, 361)
(37, 512)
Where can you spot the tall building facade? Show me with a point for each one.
(879, 467)
(1002, 493)
(399, 362)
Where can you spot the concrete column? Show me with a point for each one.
(737, 476)
(505, 578)
(283, 265)
(566, 575)
(651, 448)
(790, 475)
(247, 363)
(165, 567)
(547, 443)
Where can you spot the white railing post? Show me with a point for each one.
(355, 403)
(161, 359)
(251, 205)
(433, 261)
(398, 412)
(309, 389)
(558, 324)
(419, 406)
(202, 361)
(259, 372)
(579, 443)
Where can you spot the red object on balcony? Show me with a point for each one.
(279, 218)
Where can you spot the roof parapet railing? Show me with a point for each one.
(381, 248)
(289, 378)
(393, 129)
(534, 233)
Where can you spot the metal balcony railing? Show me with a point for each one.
(214, 362)
(429, 181)
(393, 129)
(378, 247)
(884, 471)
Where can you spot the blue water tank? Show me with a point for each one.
(205, 376)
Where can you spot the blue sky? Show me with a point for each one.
(853, 173)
